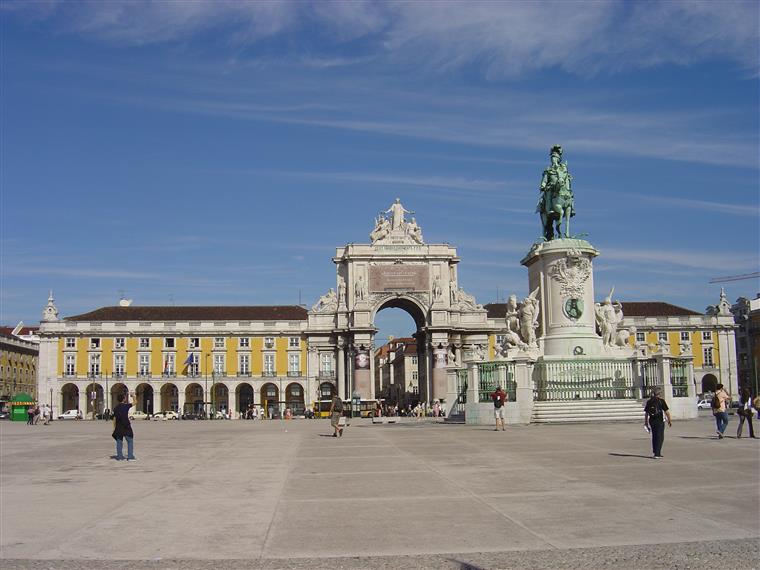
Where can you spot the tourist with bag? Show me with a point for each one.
(499, 398)
(336, 412)
(655, 413)
(746, 411)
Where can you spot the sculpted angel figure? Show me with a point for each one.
(414, 231)
(608, 315)
(529, 318)
(327, 301)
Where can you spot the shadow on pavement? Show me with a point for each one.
(631, 455)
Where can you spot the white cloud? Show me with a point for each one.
(749, 210)
(502, 38)
(693, 258)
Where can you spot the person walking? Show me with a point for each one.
(655, 412)
(720, 409)
(746, 411)
(499, 398)
(122, 428)
(336, 411)
(29, 415)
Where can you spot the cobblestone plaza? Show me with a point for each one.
(417, 494)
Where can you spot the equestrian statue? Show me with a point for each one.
(556, 202)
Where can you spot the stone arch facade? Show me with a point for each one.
(397, 269)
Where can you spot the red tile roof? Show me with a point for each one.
(630, 309)
(230, 313)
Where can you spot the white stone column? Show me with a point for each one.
(524, 395)
(341, 366)
(232, 401)
(180, 400)
(471, 409)
(83, 401)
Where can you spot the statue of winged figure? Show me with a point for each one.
(529, 318)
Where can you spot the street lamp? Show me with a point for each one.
(205, 382)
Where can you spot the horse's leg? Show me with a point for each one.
(567, 223)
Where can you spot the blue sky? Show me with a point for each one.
(217, 153)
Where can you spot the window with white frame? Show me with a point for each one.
(244, 364)
(69, 365)
(244, 342)
(95, 343)
(70, 342)
(685, 335)
(193, 342)
(193, 361)
(294, 342)
(219, 342)
(269, 369)
(144, 342)
(326, 363)
(415, 375)
(414, 360)
(269, 342)
(219, 364)
(95, 364)
(118, 364)
(707, 354)
(143, 365)
(119, 343)
(294, 363)
(662, 336)
(641, 337)
(170, 363)
(169, 342)
(706, 335)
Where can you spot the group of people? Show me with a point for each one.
(656, 413)
(34, 414)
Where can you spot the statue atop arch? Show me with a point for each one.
(556, 201)
(391, 227)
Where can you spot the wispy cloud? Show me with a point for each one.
(693, 258)
(749, 210)
(503, 39)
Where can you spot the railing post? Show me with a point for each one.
(524, 391)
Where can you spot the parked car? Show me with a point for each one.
(704, 404)
(164, 416)
(138, 415)
(69, 415)
(4, 415)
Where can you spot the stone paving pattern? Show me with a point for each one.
(415, 494)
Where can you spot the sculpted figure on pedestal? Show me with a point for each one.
(397, 212)
(437, 290)
(556, 201)
(341, 291)
(512, 335)
(414, 231)
(382, 229)
(360, 289)
(529, 319)
(466, 300)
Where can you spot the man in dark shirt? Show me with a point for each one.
(654, 421)
(123, 428)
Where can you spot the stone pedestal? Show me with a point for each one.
(562, 271)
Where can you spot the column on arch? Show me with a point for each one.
(341, 371)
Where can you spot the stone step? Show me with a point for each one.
(588, 411)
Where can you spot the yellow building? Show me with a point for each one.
(18, 366)
(188, 359)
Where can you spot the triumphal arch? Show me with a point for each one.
(396, 269)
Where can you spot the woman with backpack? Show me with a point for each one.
(336, 411)
(655, 412)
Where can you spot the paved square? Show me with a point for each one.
(273, 493)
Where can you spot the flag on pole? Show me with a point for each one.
(190, 359)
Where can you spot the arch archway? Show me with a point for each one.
(294, 398)
(194, 399)
(270, 399)
(95, 399)
(169, 398)
(244, 393)
(144, 398)
(69, 397)
(401, 370)
(220, 397)
(326, 391)
(709, 383)
(116, 389)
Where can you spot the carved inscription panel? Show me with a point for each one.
(398, 277)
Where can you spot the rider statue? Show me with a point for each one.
(556, 202)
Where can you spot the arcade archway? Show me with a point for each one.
(69, 397)
(244, 393)
(270, 399)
